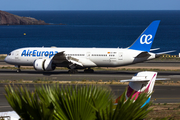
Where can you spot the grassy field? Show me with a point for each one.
(2, 57)
(45, 80)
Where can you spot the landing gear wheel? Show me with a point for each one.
(73, 71)
(88, 70)
(18, 70)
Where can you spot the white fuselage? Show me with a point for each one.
(99, 57)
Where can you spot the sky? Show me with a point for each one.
(89, 5)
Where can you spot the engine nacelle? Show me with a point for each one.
(44, 65)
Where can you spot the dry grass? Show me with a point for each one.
(83, 81)
(126, 68)
(45, 81)
(165, 111)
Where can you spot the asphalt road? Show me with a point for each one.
(63, 75)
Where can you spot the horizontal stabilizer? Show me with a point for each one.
(163, 79)
(131, 80)
(161, 53)
(154, 49)
(142, 80)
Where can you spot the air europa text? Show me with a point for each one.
(35, 53)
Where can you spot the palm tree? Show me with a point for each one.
(89, 102)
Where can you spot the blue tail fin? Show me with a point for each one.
(145, 40)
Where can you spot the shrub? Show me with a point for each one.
(88, 102)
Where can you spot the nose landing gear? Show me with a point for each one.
(18, 68)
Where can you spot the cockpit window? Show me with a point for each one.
(9, 54)
(135, 74)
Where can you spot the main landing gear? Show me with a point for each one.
(89, 70)
(72, 71)
(18, 68)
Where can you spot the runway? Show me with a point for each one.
(162, 94)
(63, 75)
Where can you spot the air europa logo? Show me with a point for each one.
(36, 53)
(145, 39)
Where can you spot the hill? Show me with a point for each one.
(10, 19)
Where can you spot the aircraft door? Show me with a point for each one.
(120, 56)
(16, 55)
(88, 54)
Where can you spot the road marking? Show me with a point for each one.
(4, 106)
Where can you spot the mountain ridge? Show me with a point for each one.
(11, 19)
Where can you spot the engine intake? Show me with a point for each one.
(44, 65)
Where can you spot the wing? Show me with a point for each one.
(60, 58)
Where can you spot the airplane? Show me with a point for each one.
(141, 82)
(48, 58)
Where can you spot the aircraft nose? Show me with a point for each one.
(6, 59)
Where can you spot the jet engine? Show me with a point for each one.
(44, 65)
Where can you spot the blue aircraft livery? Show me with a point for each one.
(144, 42)
(36, 53)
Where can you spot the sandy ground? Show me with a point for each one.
(148, 67)
(164, 111)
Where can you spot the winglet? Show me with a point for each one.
(145, 40)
